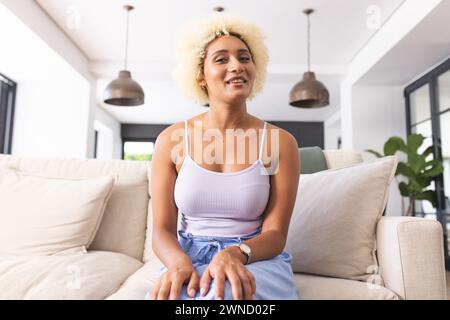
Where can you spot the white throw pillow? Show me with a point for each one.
(43, 215)
(332, 230)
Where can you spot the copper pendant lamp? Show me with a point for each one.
(309, 93)
(124, 91)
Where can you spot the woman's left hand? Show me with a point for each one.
(228, 264)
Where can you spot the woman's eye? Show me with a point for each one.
(221, 60)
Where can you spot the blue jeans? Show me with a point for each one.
(274, 277)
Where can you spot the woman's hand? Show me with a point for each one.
(229, 264)
(170, 283)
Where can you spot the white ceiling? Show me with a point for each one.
(339, 29)
(426, 45)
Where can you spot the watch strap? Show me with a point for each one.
(248, 255)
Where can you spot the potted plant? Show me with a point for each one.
(418, 171)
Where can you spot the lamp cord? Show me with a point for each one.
(126, 40)
(309, 44)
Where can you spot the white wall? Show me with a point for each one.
(332, 134)
(378, 113)
(52, 102)
(51, 117)
(109, 139)
(372, 113)
(56, 91)
(333, 130)
(104, 141)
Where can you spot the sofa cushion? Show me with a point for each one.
(339, 158)
(312, 160)
(139, 283)
(312, 287)
(332, 230)
(124, 222)
(42, 215)
(90, 275)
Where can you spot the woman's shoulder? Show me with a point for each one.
(167, 133)
(170, 137)
(174, 133)
(285, 137)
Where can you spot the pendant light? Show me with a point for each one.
(124, 91)
(309, 93)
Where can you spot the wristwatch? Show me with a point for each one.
(245, 249)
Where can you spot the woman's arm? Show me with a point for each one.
(165, 216)
(283, 192)
(165, 213)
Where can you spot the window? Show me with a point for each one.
(443, 102)
(138, 150)
(428, 112)
(138, 140)
(420, 104)
(7, 101)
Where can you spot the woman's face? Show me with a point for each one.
(228, 70)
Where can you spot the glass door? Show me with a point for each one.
(428, 112)
(443, 101)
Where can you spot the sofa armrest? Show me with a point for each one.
(411, 257)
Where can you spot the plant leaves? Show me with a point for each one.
(418, 171)
(404, 170)
(375, 153)
(427, 152)
(423, 181)
(436, 170)
(414, 186)
(428, 164)
(415, 140)
(428, 195)
(416, 161)
(393, 145)
(404, 191)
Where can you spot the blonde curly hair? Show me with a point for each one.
(191, 52)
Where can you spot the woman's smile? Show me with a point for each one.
(237, 82)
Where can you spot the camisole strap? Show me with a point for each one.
(186, 137)
(262, 141)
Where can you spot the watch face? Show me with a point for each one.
(246, 248)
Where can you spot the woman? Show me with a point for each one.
(234, 214)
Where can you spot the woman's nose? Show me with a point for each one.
(235, 66)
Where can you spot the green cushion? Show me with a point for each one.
(312, 160)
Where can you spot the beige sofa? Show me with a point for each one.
(120, 263)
